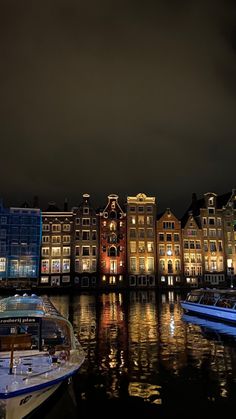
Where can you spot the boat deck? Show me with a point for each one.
(34, 370)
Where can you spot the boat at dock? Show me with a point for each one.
(38, 351)
(213, 303)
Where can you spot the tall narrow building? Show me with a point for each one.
(85, 244)
(229, 221)
(141, 241)
(112, 244)
(169, 250)
(192, 244)
(56, 247)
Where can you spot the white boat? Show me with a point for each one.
(217, 304)
(38, 351)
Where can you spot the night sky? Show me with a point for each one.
(128, 96)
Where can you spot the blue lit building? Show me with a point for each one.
(20, 240)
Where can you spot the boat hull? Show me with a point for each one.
(19, 406)
(220, 313)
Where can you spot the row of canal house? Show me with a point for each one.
(131, 245)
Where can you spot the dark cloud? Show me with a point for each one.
(123, 97)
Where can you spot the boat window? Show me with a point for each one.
(226, 302)
(22, 335)
(209, 299)
(20, 304)
(55, 333)
(194, 298)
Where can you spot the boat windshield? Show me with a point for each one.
(56, 334)
(29, 333)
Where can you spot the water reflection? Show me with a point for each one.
(140, 348)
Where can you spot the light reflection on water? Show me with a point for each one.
(138, 347)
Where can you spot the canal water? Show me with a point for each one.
(145, 359)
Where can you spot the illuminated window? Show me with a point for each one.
(141, 247)
(141, 220)
(56, 228)
(56, 251)
(177, 249)
(132, 247)
(2, 264)
(132, 233)
(150, 264)
(133, 264)
(85, 265)
(161, 249)
(169, 249)
(149, 220)
(45, 266)
(162, 265)
(150, 246)
(44, 280)
(45, 251)
(66, 265)
(141, 264)
(66, 251)
(198, 244)
(66, 227)
(177, 265)
(132, 219)
(46, 227)
(66, 239)
(112, 226)
(56, 239)
(55, 265)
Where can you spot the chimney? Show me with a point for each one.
(66, 204)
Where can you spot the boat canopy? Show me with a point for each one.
(27, 306)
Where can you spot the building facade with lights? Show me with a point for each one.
(112, 257)
(169, 250)
(141, 240)
(229, 227)
(56, 254)
(85, 244)
(192, 245)
(20, 240)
